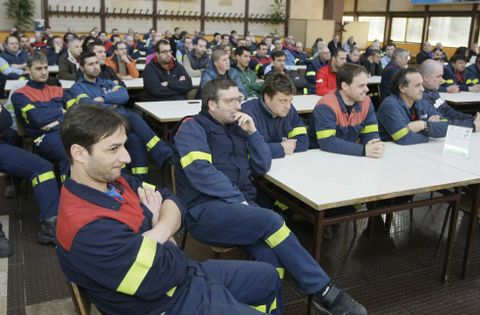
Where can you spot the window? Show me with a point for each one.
(407, 30)
(376, 27)
(450, 31)
(347, 18)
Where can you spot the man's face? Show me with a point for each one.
(12, 45)
(268, 41)
(102, 37)
(433, 80)
(299, 47)
(389, 51)
(279, 104)
(354, 55)
(225, 40)
(324, 54)
(75, 48)
(340, 60)
(459, 65)
(279, 63)
(438, 55)
(164, 54)
(24, 42)
(357, 90)
(218, 38)
(278, 44)
(414, 89)
(38, 72)
(222, 64)
(262, 51)
(188, 44)
(402, 59)
(336, 38)
(121, 50)
(244, 59)
(57, 42)
(107, 158)
(101, 54)
(129, 40)
(91, 67)
(227, 106)
(242, 43)
(201, 47)
(377, 58)
(427, 47)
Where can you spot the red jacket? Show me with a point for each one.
(326, 81)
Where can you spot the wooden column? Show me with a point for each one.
(45, 13)
(426, 23)
(202, 15)
(247, 13)
(155, 15)
(287, 16)
(387, 32)
(333, 10)
(473, 36)
(103, 18)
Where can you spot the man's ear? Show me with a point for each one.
(78, 153)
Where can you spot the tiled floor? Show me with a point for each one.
(395, 274)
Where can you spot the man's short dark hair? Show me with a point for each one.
(84, 55)
(91, 46)
(211, 89)
(36, 57)
(337, 51)
(278, 83)
(262, 43)
(347, 72)
(240, 50)
(199, 39)
(161, 42)
(458, 57)
(10, 36)
(86, 125)
(276, 53)
(400, 80)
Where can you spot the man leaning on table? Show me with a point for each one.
(216, 152)
(404, 117)
(432, 72)
(344, 120)
(275, 117)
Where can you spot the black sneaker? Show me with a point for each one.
(47, 231)
(328, 233)
(335, 301)
(5, 248)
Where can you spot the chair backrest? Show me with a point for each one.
(83, 306)
(20, 129)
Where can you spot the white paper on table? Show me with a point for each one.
(457, 141)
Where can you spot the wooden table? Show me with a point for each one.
(313, 181)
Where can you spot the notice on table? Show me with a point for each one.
(457, 141)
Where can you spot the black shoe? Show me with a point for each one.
(47, 231)
(336, 302)
(9, 191)
(328, 233)
(5, 248)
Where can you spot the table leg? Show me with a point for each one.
(471, 223)
(451, 234)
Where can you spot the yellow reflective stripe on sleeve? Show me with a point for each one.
(10, 107)
(273, 306)
(260, 308)
(400, 134)
(63, 177)
(22, 78)
(444, 120)
(449, 81)
(71, 102)
(369, 128)
(5, 66)
(281, 272)
(80, 96)
(153, 142)
(305, 91)
(42, 178)
(297, 131)
(279, 236)
(140, 267)
(193, 156)
(24, 110)
(148, 185)
(280, 205)
(171, 291)
(139, 170)
(257, 67)
(309, 73)
(322, 134)
(471, 81)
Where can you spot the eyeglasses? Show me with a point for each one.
(233, 100)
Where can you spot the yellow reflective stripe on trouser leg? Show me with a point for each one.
(273, 306)
(139, 170)
(24, 110)
(63, 177)
(140, 267)
(260, 308)
(400, 134)
(279, 236)
(42, 178)
(171, 291)
(311, 73)
(369, 128)
(281, 272)
(322, 134)
(297, 131)
(193, 156)
(152, 143)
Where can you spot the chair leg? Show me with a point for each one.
(388, 223)
(445, 221)
(431, 197)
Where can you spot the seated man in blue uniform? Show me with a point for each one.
(404, 117)
(216, 152)
(115, 233)
(20, 163)
(91, 88)
(432, 72)
(39, 108)
(275, 117)
(344, 120)
(456, 77)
